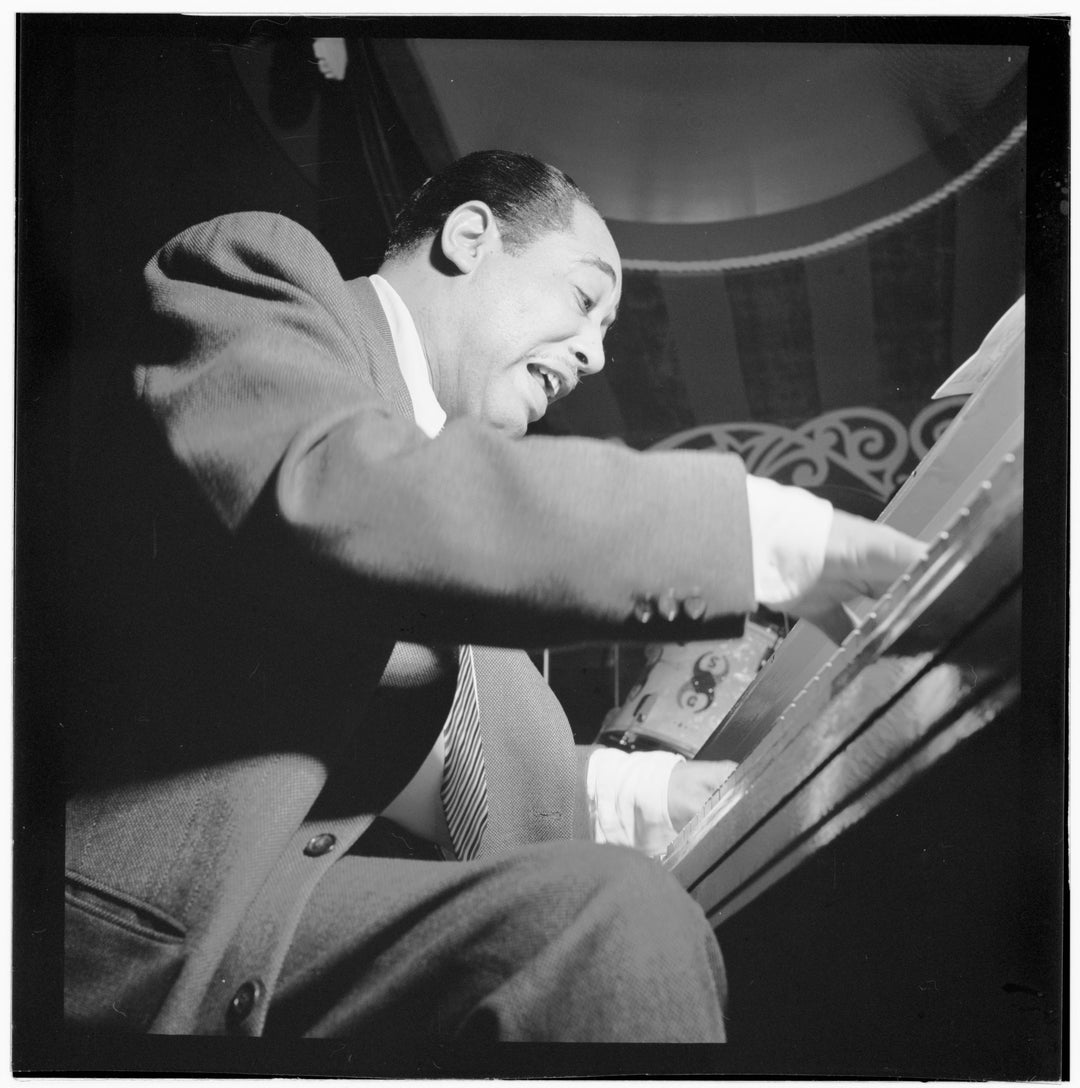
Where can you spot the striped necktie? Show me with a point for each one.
(464, 784)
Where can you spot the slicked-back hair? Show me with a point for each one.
(528, 198)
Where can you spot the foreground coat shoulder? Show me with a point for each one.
(269, 390)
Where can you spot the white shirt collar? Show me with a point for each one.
(412, 362)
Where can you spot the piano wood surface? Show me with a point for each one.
(827, 734)
(936, 660)
(990, 425)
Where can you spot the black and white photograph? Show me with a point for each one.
(519, 546)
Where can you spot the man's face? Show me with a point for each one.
(532, 324)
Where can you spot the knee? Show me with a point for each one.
(611, 925)
(644, 895)
(660, 936)
(628, 894)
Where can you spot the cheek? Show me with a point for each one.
(508, 386)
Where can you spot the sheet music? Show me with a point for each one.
(992, 351)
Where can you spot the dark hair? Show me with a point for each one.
(529, 199)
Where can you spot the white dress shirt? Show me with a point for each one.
(627, 791)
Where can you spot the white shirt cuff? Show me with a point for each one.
(789, 529)
(628, 798)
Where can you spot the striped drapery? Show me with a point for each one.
(878, 317)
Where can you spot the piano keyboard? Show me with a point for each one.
(935, 658)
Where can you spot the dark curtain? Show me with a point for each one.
(133, 129)
(363, 143)
(879, 322)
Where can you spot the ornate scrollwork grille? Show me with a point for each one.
(865, 446)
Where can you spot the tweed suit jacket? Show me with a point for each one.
(265, 525)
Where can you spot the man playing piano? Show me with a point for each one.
(319, 545)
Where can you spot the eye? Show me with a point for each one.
(584, 300)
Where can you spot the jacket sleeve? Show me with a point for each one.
(266, 385)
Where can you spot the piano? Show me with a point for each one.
(884, 868)
(936, 658)
(826, 733)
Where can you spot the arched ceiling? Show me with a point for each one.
(693, 132)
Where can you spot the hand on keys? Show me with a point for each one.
(691, 784)
(862, 559)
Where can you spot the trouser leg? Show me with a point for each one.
(556, 942)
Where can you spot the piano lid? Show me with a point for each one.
(989, 426)
(936, 659)
(824, 734)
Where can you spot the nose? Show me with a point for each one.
(588, 351)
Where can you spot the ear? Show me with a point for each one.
(469, 232)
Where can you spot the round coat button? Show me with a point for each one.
(694, 607)
(643, 609)
(319, 845)
(667, 605)
(244, 1001)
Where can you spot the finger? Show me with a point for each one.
(868, 555)
(892, 557)
(725, 768)
(692, 783)
(898, 548)
(710, 773)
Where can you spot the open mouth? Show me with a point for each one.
(550, 381)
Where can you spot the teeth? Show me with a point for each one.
(550, 381)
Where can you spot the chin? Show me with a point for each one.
(512, 424)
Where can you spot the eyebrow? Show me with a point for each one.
(599, 262)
